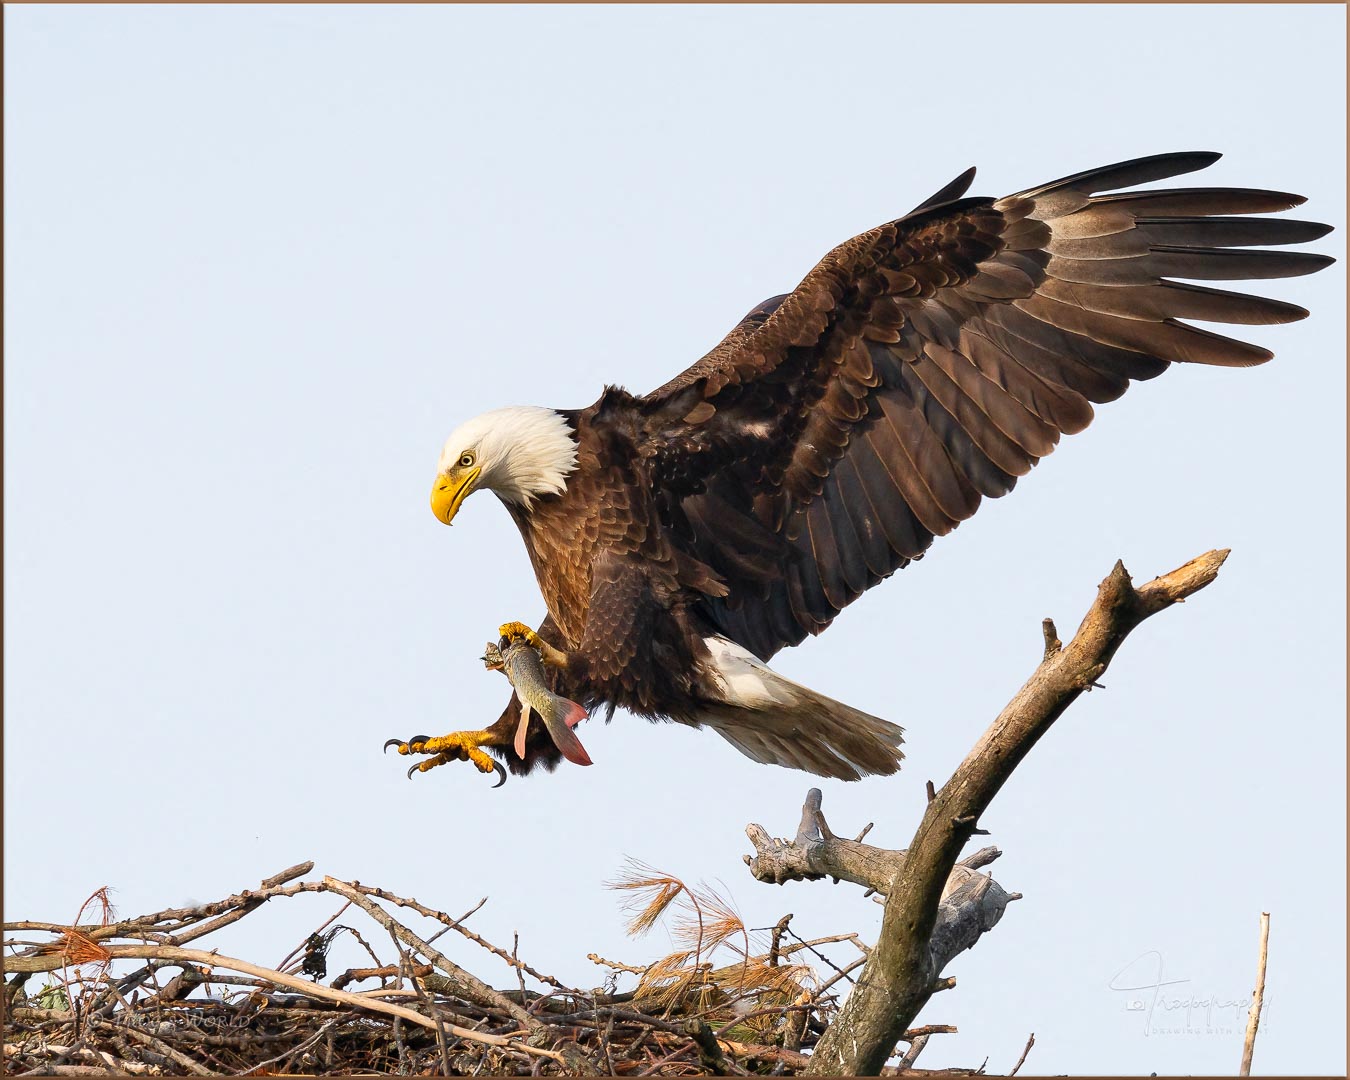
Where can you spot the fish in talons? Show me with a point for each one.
(521, 664)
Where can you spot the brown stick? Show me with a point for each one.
(317, 990)
(912, 1054)
(457, 926)
(898, 978)
(468, 986)
(928, 1029)
(1254, 1014)
(249, 900)
(179, 1059)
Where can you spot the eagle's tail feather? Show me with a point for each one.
(776, 721)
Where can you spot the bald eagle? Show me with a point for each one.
(682, 537)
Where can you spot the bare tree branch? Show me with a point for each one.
(1031, 1041)
(1258, 995)
(971, 902)
(922, 927)
(912, 1054)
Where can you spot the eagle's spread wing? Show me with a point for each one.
(933, 360)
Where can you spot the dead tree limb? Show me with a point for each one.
(1258, 995)
(1031, 1041)
(901, 971)
(971, 902)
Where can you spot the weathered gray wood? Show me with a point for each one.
(971, 903)
(928, 919)
(816, 853)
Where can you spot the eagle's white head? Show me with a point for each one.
(519, 453)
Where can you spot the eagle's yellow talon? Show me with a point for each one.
(518, 631)
(457, 746)
(513, 632)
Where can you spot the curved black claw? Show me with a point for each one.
(409, 742)
(496, 767)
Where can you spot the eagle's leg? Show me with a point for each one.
(457, 746)
(515, 631)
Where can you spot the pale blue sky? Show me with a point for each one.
(261, 260)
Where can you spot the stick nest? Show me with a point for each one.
(145, 996)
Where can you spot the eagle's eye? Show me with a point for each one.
(465, 460)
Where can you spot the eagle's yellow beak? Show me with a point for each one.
(449, 491)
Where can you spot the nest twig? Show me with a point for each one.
(132, 997)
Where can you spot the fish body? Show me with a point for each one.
(522, 666)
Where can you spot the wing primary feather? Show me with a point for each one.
(1142, 170)
(1154, 303)
(1168, 339)
(1228, 231)
(948, 192)
(1202, 201)
(1198, 264)
(1057, 357)
(1218, 264)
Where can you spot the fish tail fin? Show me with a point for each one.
(570, 745)
(560, 720)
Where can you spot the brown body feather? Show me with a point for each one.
(838, 429)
